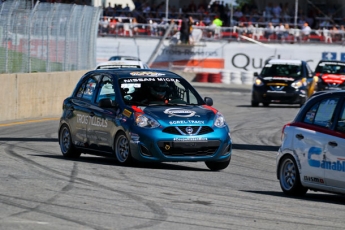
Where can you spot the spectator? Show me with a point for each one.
(269, 31)
(134, 25)
(104, 25)
(217, 24)
(275, 20)
(112, 26)
(109, 11)
(268, 13)
(207, 19)
(286, 32)
(280, 30)
(305, 31)
(276, 10)
(185, 29)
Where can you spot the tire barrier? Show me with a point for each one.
(202, 77)
(236, 78)
(247, 78)
(226, 76)
(215, 78)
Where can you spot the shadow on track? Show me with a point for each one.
(29, 139)
(112, 161)
(322, 197)
(271, 106)
(255, 147)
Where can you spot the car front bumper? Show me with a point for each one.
(153, 145)
(289, 96)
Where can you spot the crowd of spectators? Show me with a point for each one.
(275, 18)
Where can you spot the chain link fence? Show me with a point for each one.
(47, 37)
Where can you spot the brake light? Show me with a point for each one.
(282, 136)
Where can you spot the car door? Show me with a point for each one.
(309, 140)
(102, 127)
(335, 153)
(79, 108)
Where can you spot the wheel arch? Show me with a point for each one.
(62, 123)
(285, 154)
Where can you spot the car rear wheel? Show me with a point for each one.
(266, 104)
(289, 177)
(66, 145)
(122, 150)
(217, 165)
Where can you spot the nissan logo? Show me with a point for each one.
(189, 130)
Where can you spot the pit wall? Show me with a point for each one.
(35, 95)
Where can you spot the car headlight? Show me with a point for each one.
(145, 121)
(298, 84)
(219, 120)
(258, 82)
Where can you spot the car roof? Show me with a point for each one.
(125, 58)
(335, 62)
(119, 63)
(140, 73)
(285, 61)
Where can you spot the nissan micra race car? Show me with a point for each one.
(283, 82)
(143, 115)
(312, 154)
(331, 75)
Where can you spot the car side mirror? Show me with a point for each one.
(256, 74)
(106, 103)
(208, 101)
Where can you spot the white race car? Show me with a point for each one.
(312, 153)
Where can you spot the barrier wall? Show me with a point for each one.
(35, 95)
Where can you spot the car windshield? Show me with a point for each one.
(158, 91)
(331, 67)
(281, 70)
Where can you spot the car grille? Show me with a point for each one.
(189, 148)
(193, 130)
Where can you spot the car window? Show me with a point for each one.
(106, 89)
(281, 70)
(157, 91)
(87, 89)
(331, 67)
(341, 121)
(321, 113)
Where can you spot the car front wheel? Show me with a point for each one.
(289, 177)
(122, 150)
(66, 146)
(217, 165)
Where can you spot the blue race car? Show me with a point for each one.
(144, 115)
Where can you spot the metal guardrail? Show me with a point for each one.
(47, 37)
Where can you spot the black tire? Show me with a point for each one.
(65, 140)
(122, 149)
(255, 104)
(289, 177)
(217, 165)
(266, 104)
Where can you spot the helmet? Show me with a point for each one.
(159, 89)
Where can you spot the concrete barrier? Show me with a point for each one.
(35, 95)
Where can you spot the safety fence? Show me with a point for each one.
(127, 27)
(47, 37)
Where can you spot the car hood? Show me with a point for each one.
(181, 115)
(333, 78)
(278, 80)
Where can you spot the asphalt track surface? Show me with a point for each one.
(42, 190)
